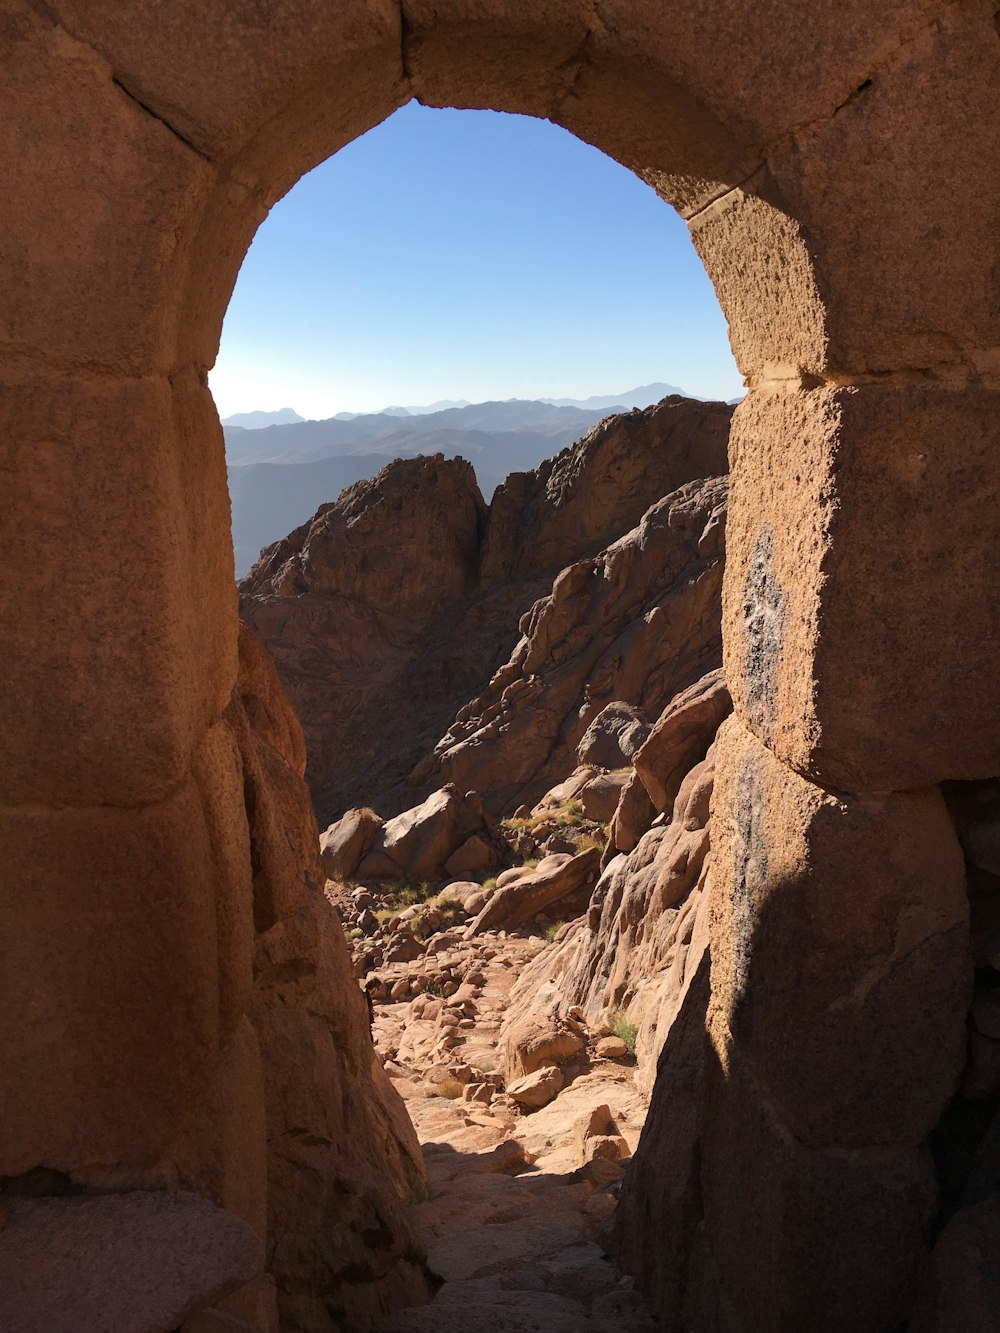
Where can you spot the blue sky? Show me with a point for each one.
(467, 254)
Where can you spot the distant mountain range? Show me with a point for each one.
(281, 471)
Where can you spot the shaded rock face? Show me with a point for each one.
(408, 589)
(639, 622)
(341, 1155)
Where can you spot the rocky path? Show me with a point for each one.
(519, 1197)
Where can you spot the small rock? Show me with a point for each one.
(538, 1088)
(611, 1048)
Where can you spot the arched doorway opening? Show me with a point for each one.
(811, 176)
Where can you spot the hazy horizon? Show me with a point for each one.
(467, 255)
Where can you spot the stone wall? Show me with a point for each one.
(838, 169)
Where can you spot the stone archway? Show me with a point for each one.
(818, 157)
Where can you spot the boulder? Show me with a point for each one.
(344, 844)
(475, 854)
(542, 1037)
(552, 879)
(538, 1088)
(681, 736)
(632, 818)
(600, 797)
(120, 1263)
(420, 841)
(611, 1048)
(613, 737)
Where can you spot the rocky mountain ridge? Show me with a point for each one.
(410, 588)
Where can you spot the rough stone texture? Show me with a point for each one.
(841, 179)
(538, 1088)
(818, 666)
(682, 734)
(355, 628)
(344, 845)
(815, 1086)
(613, 737)
(342, 1155)
(641, 940)
(119, 1263)
(961, 1287)
(638, 622)
(420, 841)
(554, 877)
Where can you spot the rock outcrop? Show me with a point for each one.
(408, 590)
(342, 1158)
(639, 622)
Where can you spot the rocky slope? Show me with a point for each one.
(408, 588)
(638, 622)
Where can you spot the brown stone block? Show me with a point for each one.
(217, 77)
(96, 194)
(861, 603)
(496, 54)
(224, 1155)
(763, 272)
(909, 278)
(762, 68)
(841, 959)
(116, 597)
(796, 1238)
(109, 989)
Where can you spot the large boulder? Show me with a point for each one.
(419, 842)
(344, 844)
(553, 878)
(681, 736)
(613, 737)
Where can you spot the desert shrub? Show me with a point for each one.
(596, 838)
(552, 931)
(447, 1087)
(489, 884)
(355, 933)
(623, 1027)
(574, 809)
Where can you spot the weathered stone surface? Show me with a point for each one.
(538, 1088)
(840, 176)
(636, 622)
(119, 1263)
(600, 797)
(343, 846)
(681, 737)
(611, 1048)
(475, 854)
(632, 818)
(123, 977)
(552, 879)
(821, 651)
(329, 1155)
(420, 841)
(810, 964)
(120, 650)
(961, 1286)
(613, 737)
